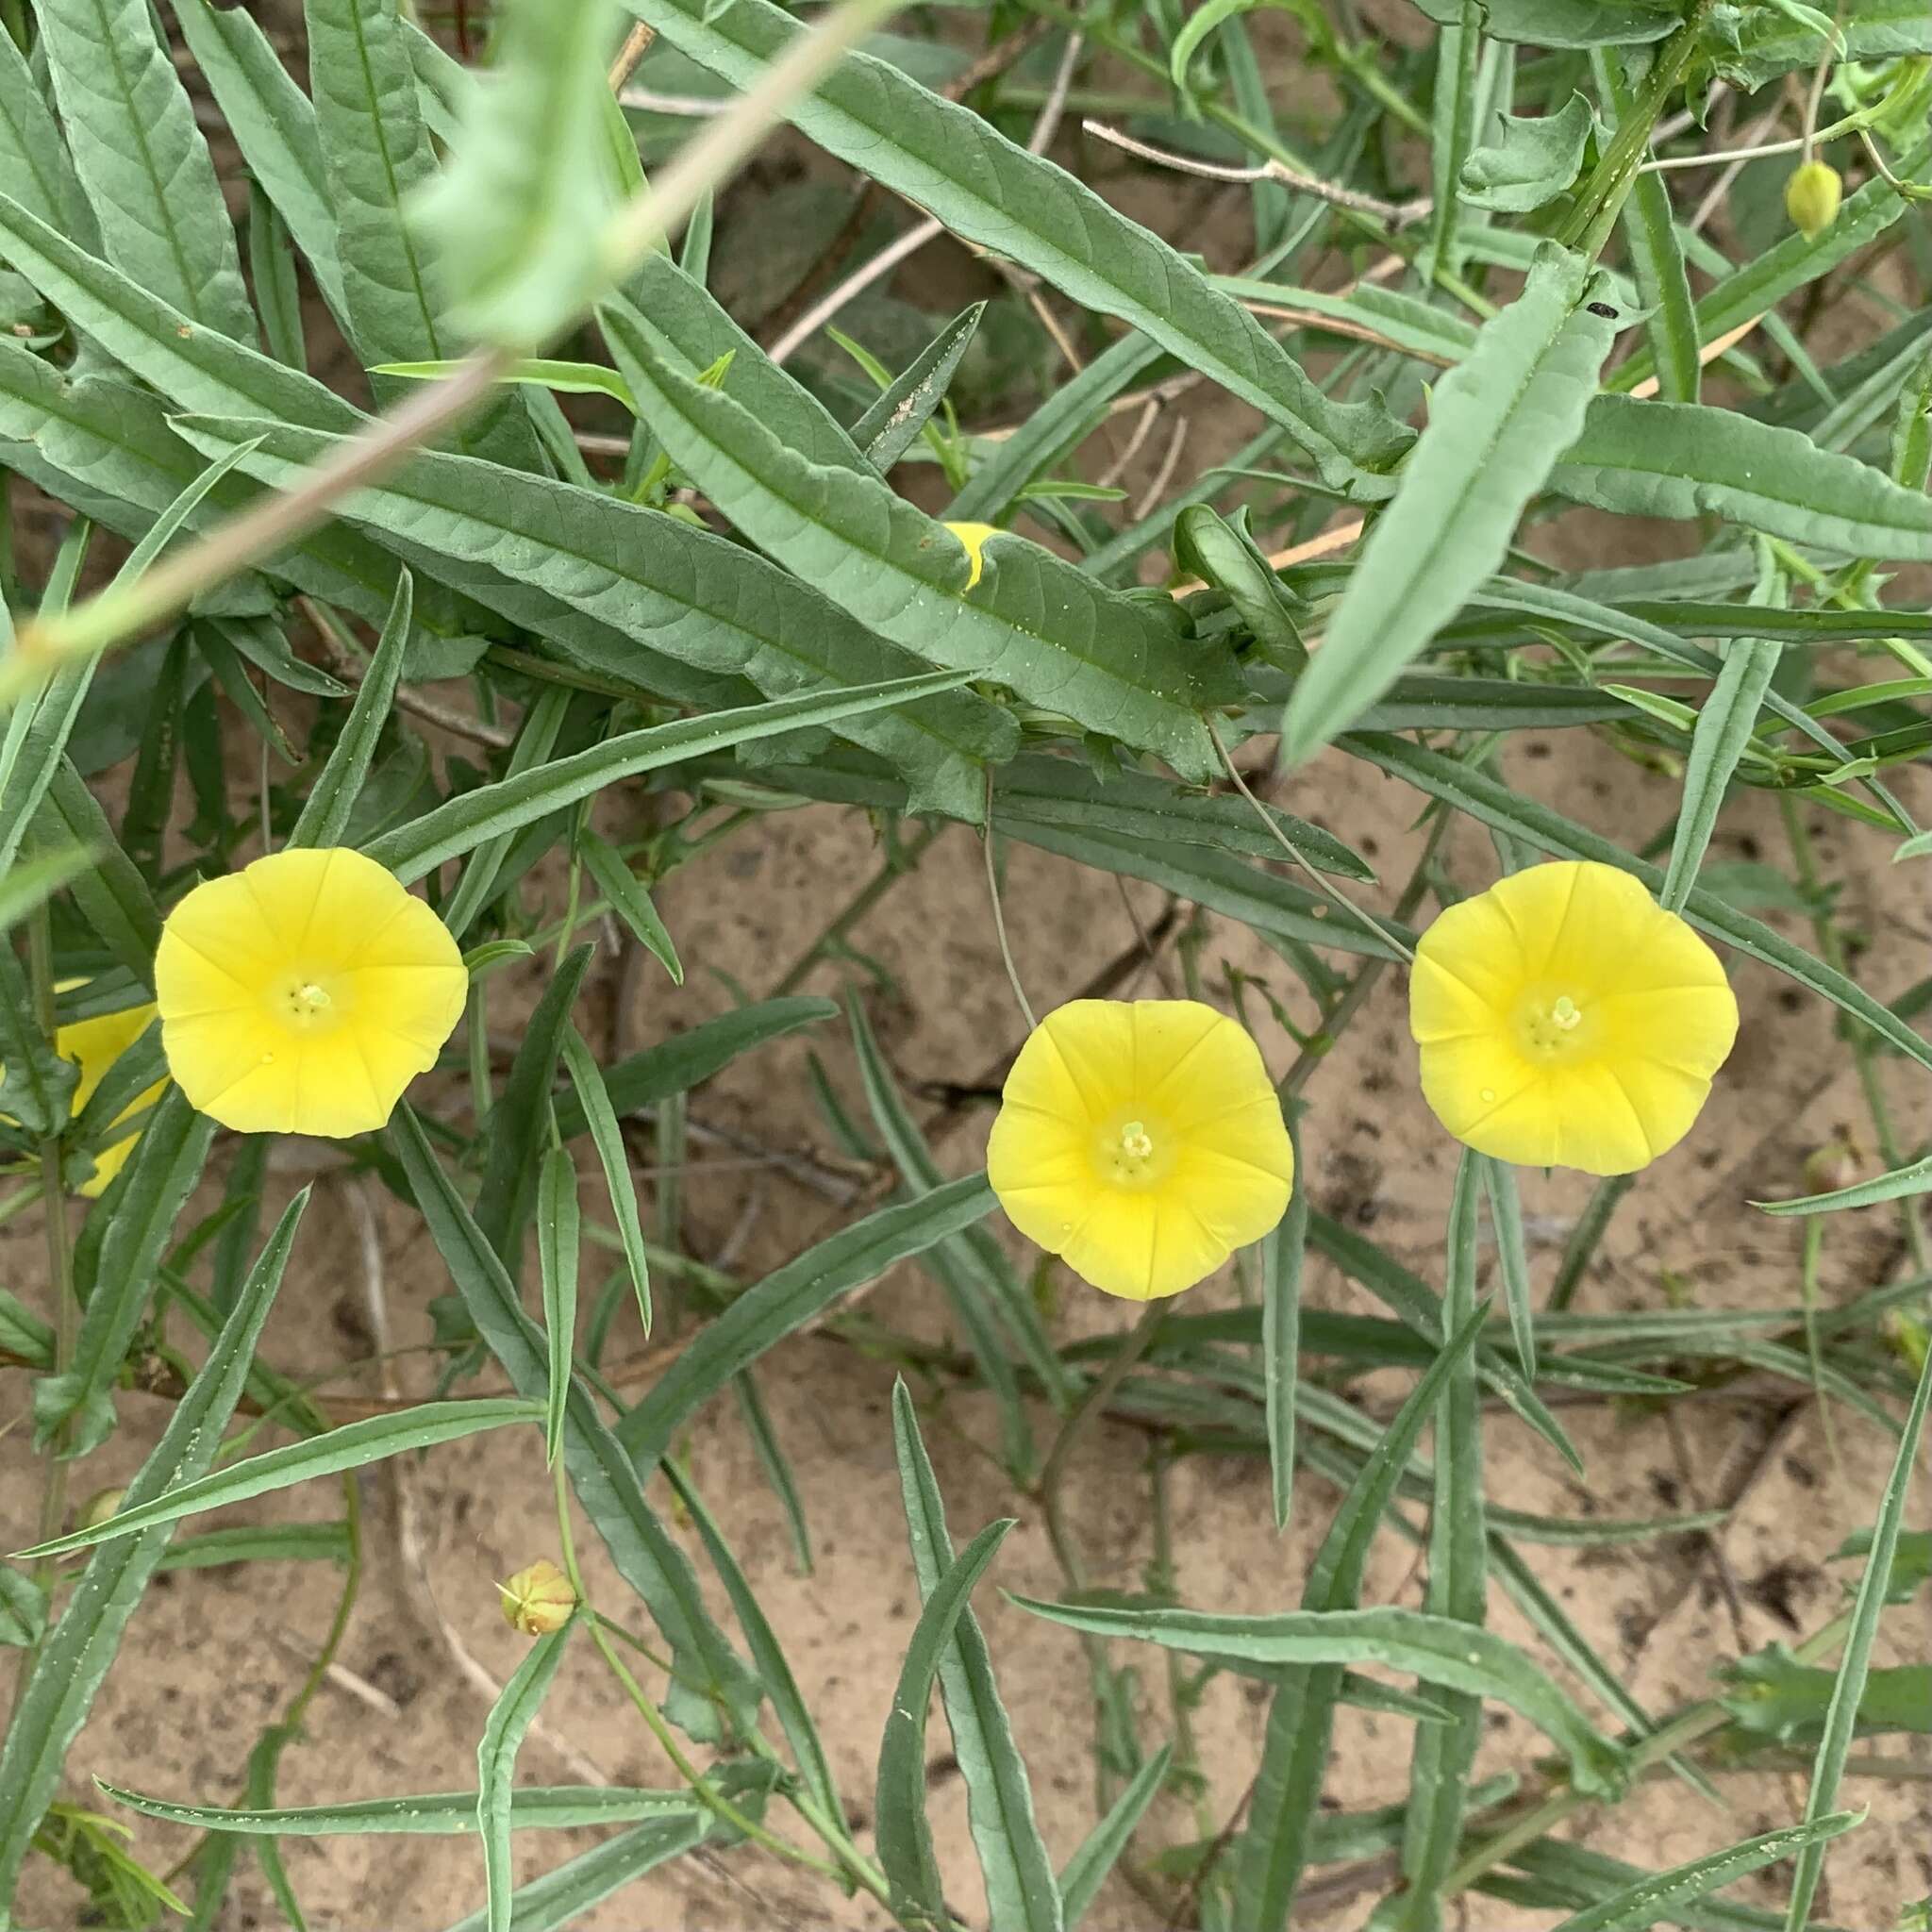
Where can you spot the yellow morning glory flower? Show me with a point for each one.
(1567, 1020)
(1142, 1141)
(94, 1045)
(973, 537)
(303, 993)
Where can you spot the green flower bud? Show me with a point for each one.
(538, 1600)
(1811, 198)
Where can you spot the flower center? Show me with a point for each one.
(1133, 1152)
(1552, 1026)
(309, 1001)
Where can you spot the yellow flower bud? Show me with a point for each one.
(1811, 198)
(973, 537)
(538, 1600)
(99, 1506)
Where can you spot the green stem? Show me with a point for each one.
(59, 1238)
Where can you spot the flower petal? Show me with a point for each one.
(1236, 1200)
(1093, 1044)
(1192, 1064)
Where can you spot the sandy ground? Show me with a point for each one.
(213, 1657)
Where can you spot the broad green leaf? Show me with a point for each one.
(905, 1839)
(1099, 1852)
(272, 121)
(630, 901)
(702, 601)
(1108, 662)
(1868, 1606)
(1900, 1184)
(1565, 22)
(1438, 1650)
(510, 1717)
(1724, 730)
(1684, 460)
(325, 815)
(464, 821)
(687, 1059)
(1498, 421)
(1651, 1899)
(1772, 41)
(1535, 158)
(1281, 1314)
(531, 151)
(890, 426)
(53, 1698)
(1276, 1844)
(142, 160)
(1457, 1584)
(1493, 804)
(149, 1195)
(354, 1445)
(608, 1138)
(784, 1301)
(711, 1689)
(557, 1254)
(33, 157)
(767, 1653)
(993, 193)
(1020, 1889)
(440, 1814)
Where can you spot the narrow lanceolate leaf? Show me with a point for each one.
(531, 151)
(700, 600)
(1034, 623)
(1650, 230)
(332, 797)
(464, 821)
(142, 160)
(375, 150)
(1021, 1890)
(435, 1814)
(53, 1699)
(1679, 459)
(1458, 61)
(562, 1897)
(1498, 421)
(33, 157)
(273, 124)
(35, 882)
(630, 901)
(1277, 1843)
(354, 1445)
(711, 1688)
(1868, 1606)
(889, 428)
(1457, 1588)
(509, 1718)
(785, 1301)
(1658, 1896)
(556, 1253)
(608, 1138)
(1438, 1650)
(1086, 1871)
(904, 1837)
(1900, 1183)
(1724, 729)
(989, 191)
(166, 1163)
(1281, 1315)
(1512, 1258)
(1495, 805)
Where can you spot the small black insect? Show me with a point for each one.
(1604, 309)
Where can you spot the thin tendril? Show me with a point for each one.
(999, 918)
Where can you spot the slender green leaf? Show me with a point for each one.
(111, 894)
(992, 193)
(36, 1083)
(608, 1138)
(556, 1253)
(289, 1543)
(890, 426)
(509, 1718)
(1452, 130)
(630, 901)
(1900, 1184)
(55, 1695)
(142, 160)
(1498, 421)
(1020, 1889)
(326, 812)
(562, 1897)
(1512, 1258)
(1099, 1852)
(1725, 726)
(1868, 1606)
(35, 880)
(905, 1839)
(440, 1814)
(783, 1302)
(1281, 1315)
(711, 1687)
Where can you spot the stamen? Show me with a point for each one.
(312, 996)
(1564, 1012)
(1135, 1141)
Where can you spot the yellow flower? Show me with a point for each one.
(303, 993)
(1567, 1020)
(94, 1045)
(973, 537)
(538, 1600)
(1142, 1141)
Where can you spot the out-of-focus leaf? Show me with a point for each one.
(1534, 159)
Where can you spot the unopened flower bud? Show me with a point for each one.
(1811, 198)
(1831, 1167)
(99, 1506)
(538, 1600)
